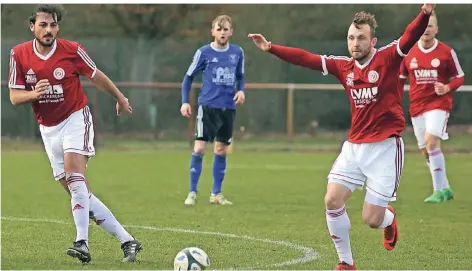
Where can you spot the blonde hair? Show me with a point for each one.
(363, 18)
(220, 20)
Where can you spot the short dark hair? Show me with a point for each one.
(363, 18)
(49, 9)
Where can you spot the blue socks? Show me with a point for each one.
(219, 170)
(195, 170)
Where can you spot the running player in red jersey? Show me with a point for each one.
(373, 154)
(45, 72)
(434, 73)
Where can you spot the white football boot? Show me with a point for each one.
(219, 199)
(191, 199)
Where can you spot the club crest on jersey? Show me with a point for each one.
(31, 77)
(350, 79)
(373, 76)
(233, 59)
(413, 63)
(435, 62)
(59, 73)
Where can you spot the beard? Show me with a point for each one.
(46, 44)
(360, 56)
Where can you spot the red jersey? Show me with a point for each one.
(374, 89)
(423, 68)
(61, 67)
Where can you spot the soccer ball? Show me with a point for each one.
(191, 258)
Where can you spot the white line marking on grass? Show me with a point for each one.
(309, 254)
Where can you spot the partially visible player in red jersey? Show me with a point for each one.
(45, 72)
(434, 73)
(373, 154)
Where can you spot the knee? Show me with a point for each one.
(333, 202)
(199, 148)
(221, 149)
(75, 163)
(432, 142)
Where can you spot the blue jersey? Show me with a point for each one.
(223, 75)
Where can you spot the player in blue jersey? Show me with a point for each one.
(222, 67)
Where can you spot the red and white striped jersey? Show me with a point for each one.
(61, 67)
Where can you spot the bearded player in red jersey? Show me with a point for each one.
(45, 72)
(434, 73)
(373, 154)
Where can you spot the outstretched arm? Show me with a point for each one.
(415, 29)
(297, 57)
(325, 64)
(291, 55)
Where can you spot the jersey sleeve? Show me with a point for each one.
(332, 65)
(392, 52)
(198, 63)
(412, 34)
(84, 64)
(240, 85)
(403, 71)
(303, 58)
(398, 49)
(453, 66)
(16, 78)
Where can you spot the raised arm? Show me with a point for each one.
(415, 29)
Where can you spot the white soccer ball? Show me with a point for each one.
(191, 258)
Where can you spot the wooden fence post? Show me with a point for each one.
(290, 101)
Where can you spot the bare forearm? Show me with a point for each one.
(102, 82)
(18, 96)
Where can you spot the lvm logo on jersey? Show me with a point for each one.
(364, 96)
(426, 76)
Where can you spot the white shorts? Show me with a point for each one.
(434, 122)
(74, 134)
(377, 165)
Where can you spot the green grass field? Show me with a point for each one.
(277, 222)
